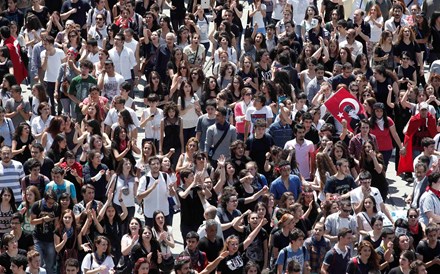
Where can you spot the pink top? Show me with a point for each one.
(383, 137)
(240, 111)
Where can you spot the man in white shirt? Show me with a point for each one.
(110, 81)
(123, 58)
(118, 104)
(259, 111)
(51, 60)
(304, 152)
(358, 194)
(99, 9)
(92, 51)
(351, 43)
(151, 118)
(154, 190)
(428, 145)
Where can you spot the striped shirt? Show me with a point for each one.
(10, 176)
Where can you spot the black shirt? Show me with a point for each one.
(212, 249)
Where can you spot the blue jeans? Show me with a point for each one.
(48, 255)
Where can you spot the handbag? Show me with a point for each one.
(212, 150)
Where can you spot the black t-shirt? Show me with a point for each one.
(357, 268)
(26, 241)
(411, 50)
(313, 135)
(429, 254)
(212, 249)
(279, 240)
(5, 261)
(255, 251)
(232, 264)
(191, 208)
(46, 167)
(334, 185)
(80, 16)
(258, 149)
(44, 231)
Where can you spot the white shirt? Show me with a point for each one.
(89, 263)
(38, 125)
(124, 62)
(158, 198)
(112, 117)
(356, 196)
(152, 128)
(112, 86)
(258, 16)
(53, 64)
(128, 199)
(356, 48)
(252, 115)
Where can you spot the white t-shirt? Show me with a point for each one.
(253, 115)
(53, 64)
(112, 85)
(152, 128)
(258, 17)
(89, 263)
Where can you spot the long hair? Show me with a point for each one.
(182, 92)
(373, 119)
(324, 164)
(373, 201)
(98, 115)
(19, 130)
(99, 239)
(37, 195)
(341, 145)
(7, 189)
(41, 91)
(363, 160)
(61, 225)
(121, 163)
(373, 260)
(103, 149)
(126, 118)
(54, 127)
(155, 225)
(412, 36)
(56, 143)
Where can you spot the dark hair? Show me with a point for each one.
(20, 261)
(12, 201)
(433, 178)
(296, 234)
(155, 225)
(192, 235)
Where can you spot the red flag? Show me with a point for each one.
(344, 106)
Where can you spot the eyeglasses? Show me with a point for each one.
(99, 19)
(233, 201)
(412, 216)
(347, 210)
(248, 94)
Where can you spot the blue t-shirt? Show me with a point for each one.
(301, 255)
(277, 187)
(67, 186)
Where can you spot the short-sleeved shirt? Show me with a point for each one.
(300, 255)
(253, 115)
(79, 87)
(11, 106)
(53, 64)
(337, 261)
(10, 176)
(334, 185)
(429, 202)
(383, 137)
(66, 187)
(44, 231)
(232, 264)
(277, 188)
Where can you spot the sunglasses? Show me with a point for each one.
(413, 216)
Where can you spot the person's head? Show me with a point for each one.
(431, 232)
(366, 250)
(192, 240)
(16, 221)
(86, 67)
(388, 235)
(171, 110)
(142, 266)
(7, 195)
(88, 192)
(365, 179)
(296, 238)
(345, 236)
(58, 174)
(418, 267)
(397, 11)
(135, 227)
(434, 179)
(343, 166)
(102, 245)
(9, 242)
(420, 170)
(18, 264)
(34, 259)
(154, 163)
(406, 258)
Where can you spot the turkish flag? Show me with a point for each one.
(344, 106)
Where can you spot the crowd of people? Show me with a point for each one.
(233, 136)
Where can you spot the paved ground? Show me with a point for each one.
(398, 188)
